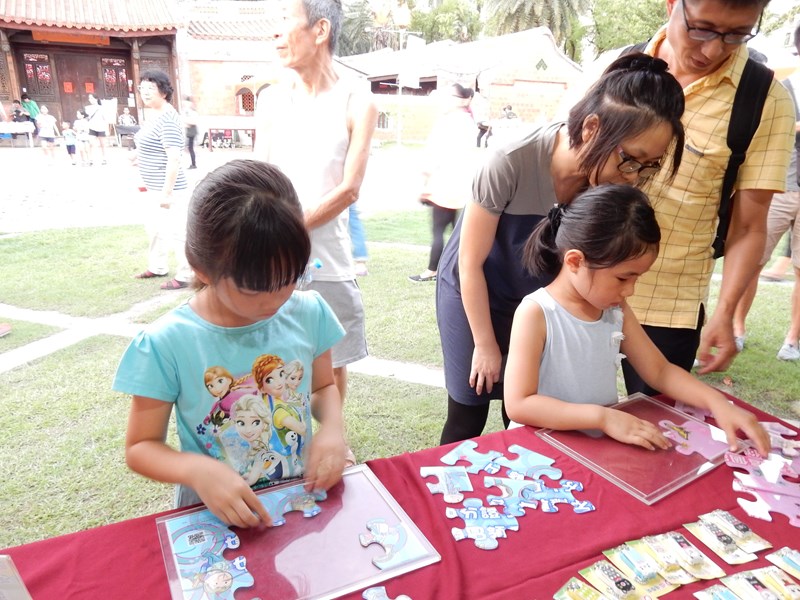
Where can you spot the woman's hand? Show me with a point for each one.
(628, 429)
(486, 364)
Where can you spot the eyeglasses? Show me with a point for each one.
(147, 88)
(631, 165)
(700, 34)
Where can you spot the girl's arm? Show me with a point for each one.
(478, 231)
(678, 384)
(525, 405)
(326, 456)
(222, 490)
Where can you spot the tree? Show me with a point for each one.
(357, 35)
(453, 20)
(621, 23)
(509, 16)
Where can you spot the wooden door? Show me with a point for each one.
(78, 76)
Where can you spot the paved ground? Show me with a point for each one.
(50, 196)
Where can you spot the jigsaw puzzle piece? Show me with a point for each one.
(393, 539)
(483, 524)
(379, 593)
(279, 502)
(764, 474)
(452, 481)
(527, 462)
(548, 497)
(693, 411)
(766, 503)
(466, 451)
(777, 437)
(690, 437)
(511, 494)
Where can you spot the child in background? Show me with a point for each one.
(70, 139)
(81, 126)
(566, 338)
(48, 130)
(247, 244)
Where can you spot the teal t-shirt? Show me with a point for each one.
(241, 395)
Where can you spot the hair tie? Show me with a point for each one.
(554, 216)
(648, 63)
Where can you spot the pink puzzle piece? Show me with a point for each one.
(766, 503)
(777, 437)
(692, 411)
(528, 463)
(763, 474)
(692, 436)
(452, 481)
(466, 451)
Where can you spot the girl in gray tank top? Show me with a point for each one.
(568, 339)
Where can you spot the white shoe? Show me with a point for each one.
(789, 352)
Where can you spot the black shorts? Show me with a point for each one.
(49, 140)
(97, 133)
(70, 149)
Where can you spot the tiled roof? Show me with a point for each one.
(126, 16)
(231, 29)
(232, 20)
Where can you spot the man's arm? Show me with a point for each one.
(743, 249)
(361, 121)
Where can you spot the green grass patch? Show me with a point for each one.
(23, 333)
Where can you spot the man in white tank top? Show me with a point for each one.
(317, 128)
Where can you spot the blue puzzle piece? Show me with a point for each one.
(466, 451)
(527, 463)
(549, 497)
(510, 494)
(483, 524)
(452, 481)
(392, 538)
(292, 498)
(379, 593)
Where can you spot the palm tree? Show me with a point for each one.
(509, 16)
(357, 36)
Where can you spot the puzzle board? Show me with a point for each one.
(645, 474)
(306, 558)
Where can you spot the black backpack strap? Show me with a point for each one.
(634, 48)
(748, 104)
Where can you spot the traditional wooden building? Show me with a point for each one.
(60, 51)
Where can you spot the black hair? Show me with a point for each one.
(797, 38)
(634, 93)
(462, 92)
(16, 102)
(83, 113)
(609, 224)
(161, 80)
(245, 222)
(26, 97)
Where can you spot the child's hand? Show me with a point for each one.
(227, 495)
(730, 417)
(325, 459)
(628, 429)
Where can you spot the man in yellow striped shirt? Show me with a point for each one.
(704, 43)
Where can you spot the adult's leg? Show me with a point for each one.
(740, 313)
(190, 147)
(442, 217)
(463, 421)
(679, 346)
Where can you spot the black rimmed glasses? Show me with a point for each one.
(631, 165)
(700, 34)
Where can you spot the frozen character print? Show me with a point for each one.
(275, 466)
(251, 418)
(293, 459)
(218, 382)
(294, 371)
(270, 377)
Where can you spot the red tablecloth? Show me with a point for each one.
(123, 560)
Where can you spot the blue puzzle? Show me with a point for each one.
(549, 497)
(398, 548)
(296, 498)
(466, 451)
(528, 463)
(511, 494)
(452, 481)
(483, 524)
(379, 593)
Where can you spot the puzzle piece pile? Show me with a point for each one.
(521, 488)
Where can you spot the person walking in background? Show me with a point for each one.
(447, 171)
(81, 126)
(159, 147)
(189, 116)
(98, 126)
(317, 127)
(618, 133)
(704, 43)
(783, 217)
(782, 264)
(70, 140)
(358, 236)
(48, 131)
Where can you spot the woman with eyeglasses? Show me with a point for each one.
(617, 133)
(159, 149)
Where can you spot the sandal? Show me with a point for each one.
(174, 284)
(149, 275)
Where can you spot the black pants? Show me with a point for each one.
(190, 147)
(465, 421)
(483, 129)
(679, 346)
(442, 217)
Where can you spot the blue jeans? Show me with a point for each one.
(357, 235)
